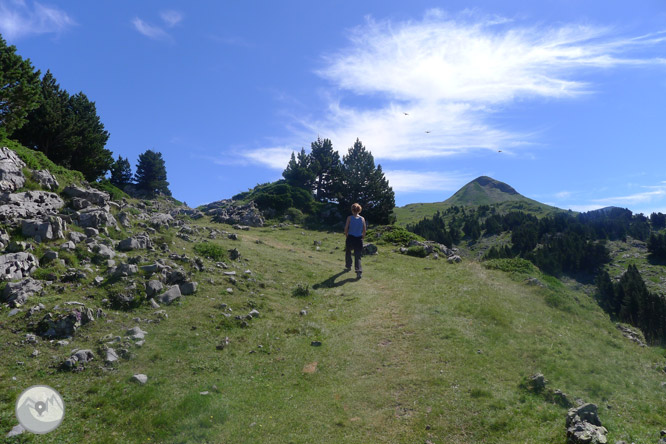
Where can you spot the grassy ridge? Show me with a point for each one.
(418, 349)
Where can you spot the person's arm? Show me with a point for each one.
(364, 228)
(347, 226)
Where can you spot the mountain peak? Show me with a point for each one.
(484, 190)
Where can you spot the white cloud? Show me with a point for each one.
(451, 74)
(273, 157)
(171, 18)
(656, 193)
(563, 195)
(405, 181)
(150, 31)
(19, 18)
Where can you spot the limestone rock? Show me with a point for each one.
(49, 228)
(92, 195)
(584, 427)
(139, 242)
(17, 293)
(45, 179)
(153, 287)
(17, 265)
(170, 295)
(454, 259)
(95, 218)
(77, 358)
(188, 288)
(161, 220)
(28, 205)
(11, 170)
(225, 211)
(140, 378)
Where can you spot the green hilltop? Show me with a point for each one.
(483, 190)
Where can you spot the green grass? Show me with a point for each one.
(36, 160)
(416, 350)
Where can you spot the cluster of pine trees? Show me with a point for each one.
(355, 179)
(42, 116)
(630, 301)
(657, 246)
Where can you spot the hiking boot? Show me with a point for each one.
(358, 275)
(347, 269)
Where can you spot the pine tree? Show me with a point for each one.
(298, 172)
(19, 88)
(68, 130)
(361, 182)
(50, 126)
(325, 165)
(121, 173)
(151, 174)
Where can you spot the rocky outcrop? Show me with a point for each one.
(584, 426)
(11, 170)
(17, 293)
(45, 179)
(17, 266)
(139, 242)
(96, 197)
(161, 220)
(95, 218)
(226, 212)
(52, 227)
(65, 325)
(28, 205)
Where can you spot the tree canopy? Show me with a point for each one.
(365, 184)
(121, 173)
(68, 130)
(19, 88)
(151, 175)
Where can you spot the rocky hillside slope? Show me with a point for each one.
(160, 323)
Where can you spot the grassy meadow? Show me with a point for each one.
(417, 351)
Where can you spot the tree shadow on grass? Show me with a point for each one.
(330, 282)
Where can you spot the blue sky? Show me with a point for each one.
(572, 93)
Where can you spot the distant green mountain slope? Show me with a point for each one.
(483, 190)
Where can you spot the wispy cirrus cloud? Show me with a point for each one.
(170, 18)
(433, 85)
(652, 194)
(20, 18)
(406, 181)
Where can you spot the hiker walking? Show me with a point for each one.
(355, 232)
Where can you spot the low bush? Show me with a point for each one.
(210, 250)
(417, 251)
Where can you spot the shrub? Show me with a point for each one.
(213, 251)
(392, 234)
(517, 265)
(115, 192)
(301, 290)
(295, 215)
(417, 251)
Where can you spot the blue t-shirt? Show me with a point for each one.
(356, 225)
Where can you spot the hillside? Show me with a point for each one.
(275, 344)
(483, 190)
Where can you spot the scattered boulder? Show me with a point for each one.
(92, 195)
(136, 333)
(111, 356)
(234, 254)
(124, 270)
(139, 242)
(45, 179)
(369, 249)
(52, 227)
(76, 237)
(161, 220)
(11, 170)
(77, 358)
(95, 218)
(140, 378)
(4, 239)
(153, 287)
(103, 251)
(188, 288)
(584, 427)
(170, 295)
(455, 259)
(66, 324)
(28, 205)
(17, 293)
(17, 266)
